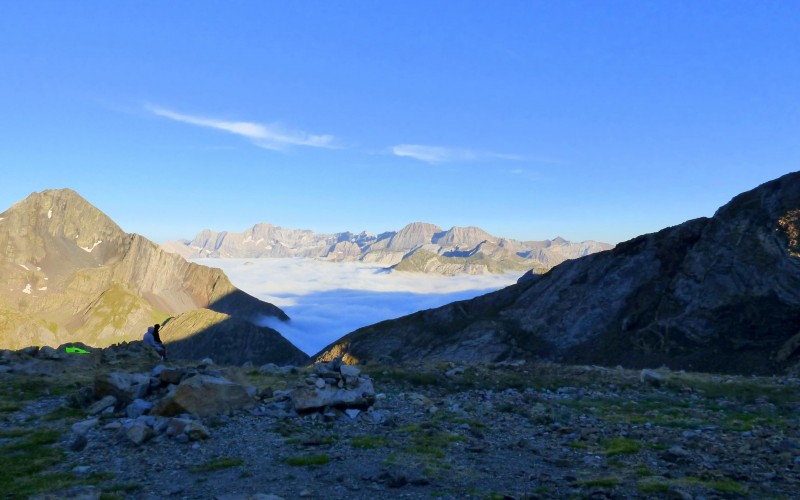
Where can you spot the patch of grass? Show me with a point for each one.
(433, 443)
(25, 460)
(12, 433)
(294, 440)
(601, 482)
(722, 486)
(124, 487)
(218, 464)
(578, 445)
(620, 446)
(652, 486)
(369, 442)
(308, 461)
(64, 412)
(9, 407)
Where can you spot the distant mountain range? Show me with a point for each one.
(718, 294)
(69, 273)
(419, 246)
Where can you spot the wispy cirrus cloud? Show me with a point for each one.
(442, 154)
(268, 136)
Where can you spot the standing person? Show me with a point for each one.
(157, 338)
(150, 339)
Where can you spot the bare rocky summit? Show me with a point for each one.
(717, 294)
(68, 273)
(418, 247)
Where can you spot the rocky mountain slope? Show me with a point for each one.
(418, 247)
(117, 424)
(713, 294)
(69, 273)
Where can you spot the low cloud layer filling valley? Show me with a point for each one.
(328, 300)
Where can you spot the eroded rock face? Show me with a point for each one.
(712, 294)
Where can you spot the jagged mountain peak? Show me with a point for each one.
(717, 294)
(69, 273)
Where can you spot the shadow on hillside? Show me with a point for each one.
(233, 338)
(243, 305)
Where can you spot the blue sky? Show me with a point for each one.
(589, 120)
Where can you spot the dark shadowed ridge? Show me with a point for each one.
(719, 294)
(207, 333)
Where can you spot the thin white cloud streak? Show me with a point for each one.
(271, 136)
(442, 154)
(328, 300)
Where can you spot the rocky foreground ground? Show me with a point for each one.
(437, 430)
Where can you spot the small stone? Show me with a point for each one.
(305, 494)
(207, 361)
(651, 377)
(352, 413)
(84, 426)
(170, 376)
(320, 383)
(81, 469)
(113, 426)
(77, 442)
(183, 439)
(270, 368)
(139, 432)
(196, 431)
(137, 408)
(106, 402)
(349, 371)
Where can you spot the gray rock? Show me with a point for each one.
(171, 376)
(349, 371)
(139, 432)
(204, 395)
(650, 377)
(106, 402)
(270, 368)
(196, 431)
(137, 408)
(84, 426)
(362, 395)
(77, 442)
(47, 352)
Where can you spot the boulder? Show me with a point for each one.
(176, 426)
(84, 426)
(349, 371)
(204, 395)
(29, 351)
(196, 431)
(47, 352)
(651, 377)
(138, 407)
(170, 376)
(124, 386)
(138, 432)
(360, 395)
(98, 406)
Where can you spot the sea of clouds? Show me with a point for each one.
(327, 300)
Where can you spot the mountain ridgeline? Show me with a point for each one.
(717, 294)
(70, 274)
(418, 247)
